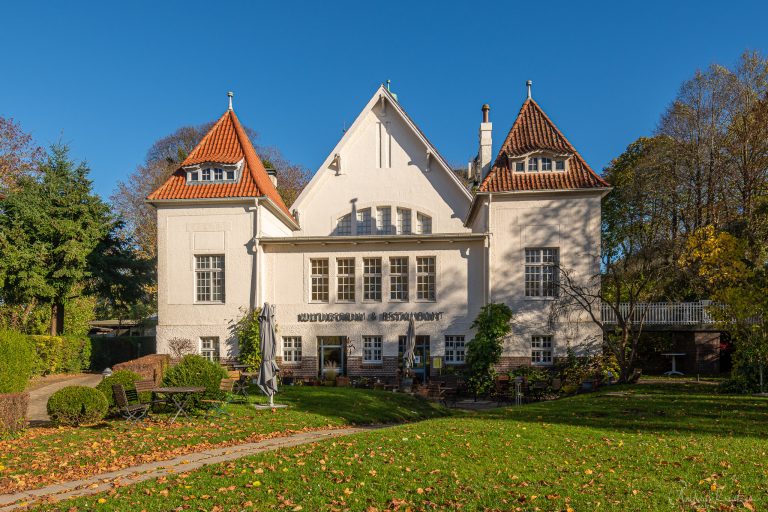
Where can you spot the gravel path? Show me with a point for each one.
(38, 397)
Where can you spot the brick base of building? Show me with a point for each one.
(357, 368)
(306, 368)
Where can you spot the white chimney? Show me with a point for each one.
(484, 154)
(272, 173)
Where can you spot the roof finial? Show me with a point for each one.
(529, 83)
(230, 94)
(389, 83)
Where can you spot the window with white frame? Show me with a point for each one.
(218, 174)
(546, 164)
(364, 221)
(423, 224)
(533, 164)
(291, 349)
(541, 272)
(384, 220)
(319, 278)
(206, 175)
(345, 279)
(455, 346)
(541, 350)
(559, 165)
(209, 348)
(371, 279)
(209, 278)
(398, 279)
(403, 221)
(211, 174)
(425, 278)
(372, 349)
(520, 166)
(194, 176)
(344, 225)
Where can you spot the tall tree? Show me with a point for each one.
(163, 158)
(52, 223)
(18, 154)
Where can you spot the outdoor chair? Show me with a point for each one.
(146, 386)
(241, 383)
(129, 411)
(227, 387)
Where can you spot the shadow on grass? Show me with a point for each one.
(663, 407)
(356, 406)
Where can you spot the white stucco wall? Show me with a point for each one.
(567, 221)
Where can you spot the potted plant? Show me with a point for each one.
(330, 371)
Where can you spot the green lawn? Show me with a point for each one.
(657, 447)
(42, 456)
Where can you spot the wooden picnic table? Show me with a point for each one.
(179, 396)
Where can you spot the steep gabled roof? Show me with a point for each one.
(225, 143)
(534, 131)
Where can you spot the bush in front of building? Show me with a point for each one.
(62, 354)
(17, 361)
(247, 331)
(127, 378)
(492, 325)
(195, 370)
(77, 405)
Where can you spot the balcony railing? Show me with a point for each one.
(664, 313)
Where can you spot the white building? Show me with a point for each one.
(385, 230)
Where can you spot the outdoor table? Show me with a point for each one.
(179, 396)
(673, 355)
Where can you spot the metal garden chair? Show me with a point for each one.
(227, 387)
(129, 411)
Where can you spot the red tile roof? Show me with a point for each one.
(225, 143)
(534, 131)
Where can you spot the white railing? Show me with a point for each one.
(664, 313)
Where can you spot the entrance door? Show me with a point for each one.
(420, 358)
(330, 355)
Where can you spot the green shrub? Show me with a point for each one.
(77, 405)
(49, 354)
(194, 370)
(125, 377)
(17, 361)
(62, 354)
(13, 412)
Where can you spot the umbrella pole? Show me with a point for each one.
(271, 400)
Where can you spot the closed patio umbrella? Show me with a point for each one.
(268, 343)
(410, 345)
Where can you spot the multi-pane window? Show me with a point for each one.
(372, 279)
(533, 164)
(345, 279)
(423, 224)
(209, 278)
(230, 175)
(520, 166)
(403, 221)
(559, 165)
(364, 221)
(319, 279)
(541, 349)
(209, 348)
(454, 349)
(291, 349)
(206, 175)
(194, 176)
(546, 164)
(384, 220)
(398, 278)
(425, 278)
(541, 272)
(344, 225)
(372, 349)
(218, 174)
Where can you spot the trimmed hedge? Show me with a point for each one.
(62, 354)
(194, 370)
(77, 405)
(127, 378)
(17, 361)
(13, 412)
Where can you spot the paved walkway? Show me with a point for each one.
(129, 476)
(37, 412)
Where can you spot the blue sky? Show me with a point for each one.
(110, 78)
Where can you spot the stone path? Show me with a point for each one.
(38, 398)
(129, 476)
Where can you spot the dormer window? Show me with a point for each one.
(520, 166)
(559, 165)
(546, 164)
(223, 173)
(533, 164)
